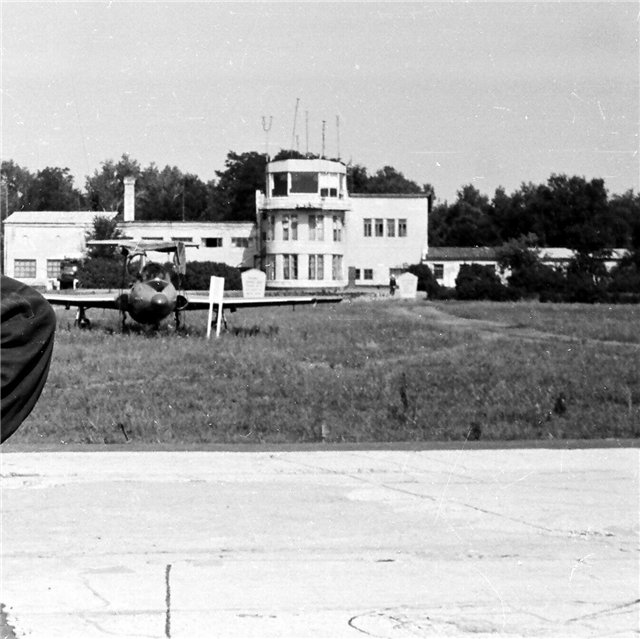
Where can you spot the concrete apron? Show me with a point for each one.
(320, 544)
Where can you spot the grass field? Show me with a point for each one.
(362, 370)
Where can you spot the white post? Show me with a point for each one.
(216, 293)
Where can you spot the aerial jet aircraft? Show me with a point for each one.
(153, 296)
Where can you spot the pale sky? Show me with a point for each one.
(493, 94)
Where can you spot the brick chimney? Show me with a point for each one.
(129, 199)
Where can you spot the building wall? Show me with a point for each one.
(376, 246)
(446, 271)
(232, 243)
(301, 221)
(44, 244)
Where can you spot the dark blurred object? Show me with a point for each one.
(28, 328)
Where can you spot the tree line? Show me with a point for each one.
(567, 211)
(168, 193)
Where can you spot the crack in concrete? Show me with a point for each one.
(606, 611)
(555, 531)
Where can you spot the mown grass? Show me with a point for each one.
(380, 370)
(592, 321)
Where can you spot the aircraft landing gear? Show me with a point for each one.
(82, 321)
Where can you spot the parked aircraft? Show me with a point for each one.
(153, 296)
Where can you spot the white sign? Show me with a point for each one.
(216, 293)
(407, 286)
(253, 283)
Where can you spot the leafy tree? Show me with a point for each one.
(105, 189)
(16, 182)
(233, 196)
(357, 178)
(53, 190)
(528, 277)
(479, 282)
(104, 228)
(625, 277)
(467, 222)
(587, 278)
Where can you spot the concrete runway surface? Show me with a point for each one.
(350, 543)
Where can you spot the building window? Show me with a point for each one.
(368, 273)
(270, 266)
(212, 242)
(337, 229)
(324, 192)
(304, 183)
(316, 267)
(182, 239)
(285, 227)
(402, 228)
(294, 227)
(316, 228)
(280, 184)
(240, 242)
(290, 270)
(333, 192)
(391, 228)
(438, 271)
(152, 239)
(367, 227)
(53, 269)
(357, 274)
(270, 224)
(379, 227)
(336, 267)
(24, 268)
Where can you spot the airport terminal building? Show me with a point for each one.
(309, 232)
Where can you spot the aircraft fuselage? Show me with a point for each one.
(149, 302)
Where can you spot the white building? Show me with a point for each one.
(445, 261)
(309, 233)
(35, 242)
(312, 234)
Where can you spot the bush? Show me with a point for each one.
(199, 275)
(478, 282)
(426, 281)
(101, 272)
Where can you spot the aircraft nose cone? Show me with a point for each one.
(159, 300)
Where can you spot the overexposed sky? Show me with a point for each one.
(493, 94)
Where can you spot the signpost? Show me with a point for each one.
(216, 293)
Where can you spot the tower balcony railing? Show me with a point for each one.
(307, 201)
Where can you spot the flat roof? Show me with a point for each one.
(57, 217)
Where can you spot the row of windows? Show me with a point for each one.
(315, 228)
(364, 274)
(377, 227)
(209, 242)
(316, 267)
(304, 182)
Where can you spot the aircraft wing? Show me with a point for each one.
(86, 300)
(234, 303)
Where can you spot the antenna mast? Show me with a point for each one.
(295, 120)
(338, 133)
(306, 119)
(324, 123)
(266, 128)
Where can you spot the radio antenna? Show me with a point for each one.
(324, 123)
(338, 133)
(266, 128)
(295, 120)
(306, 119)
